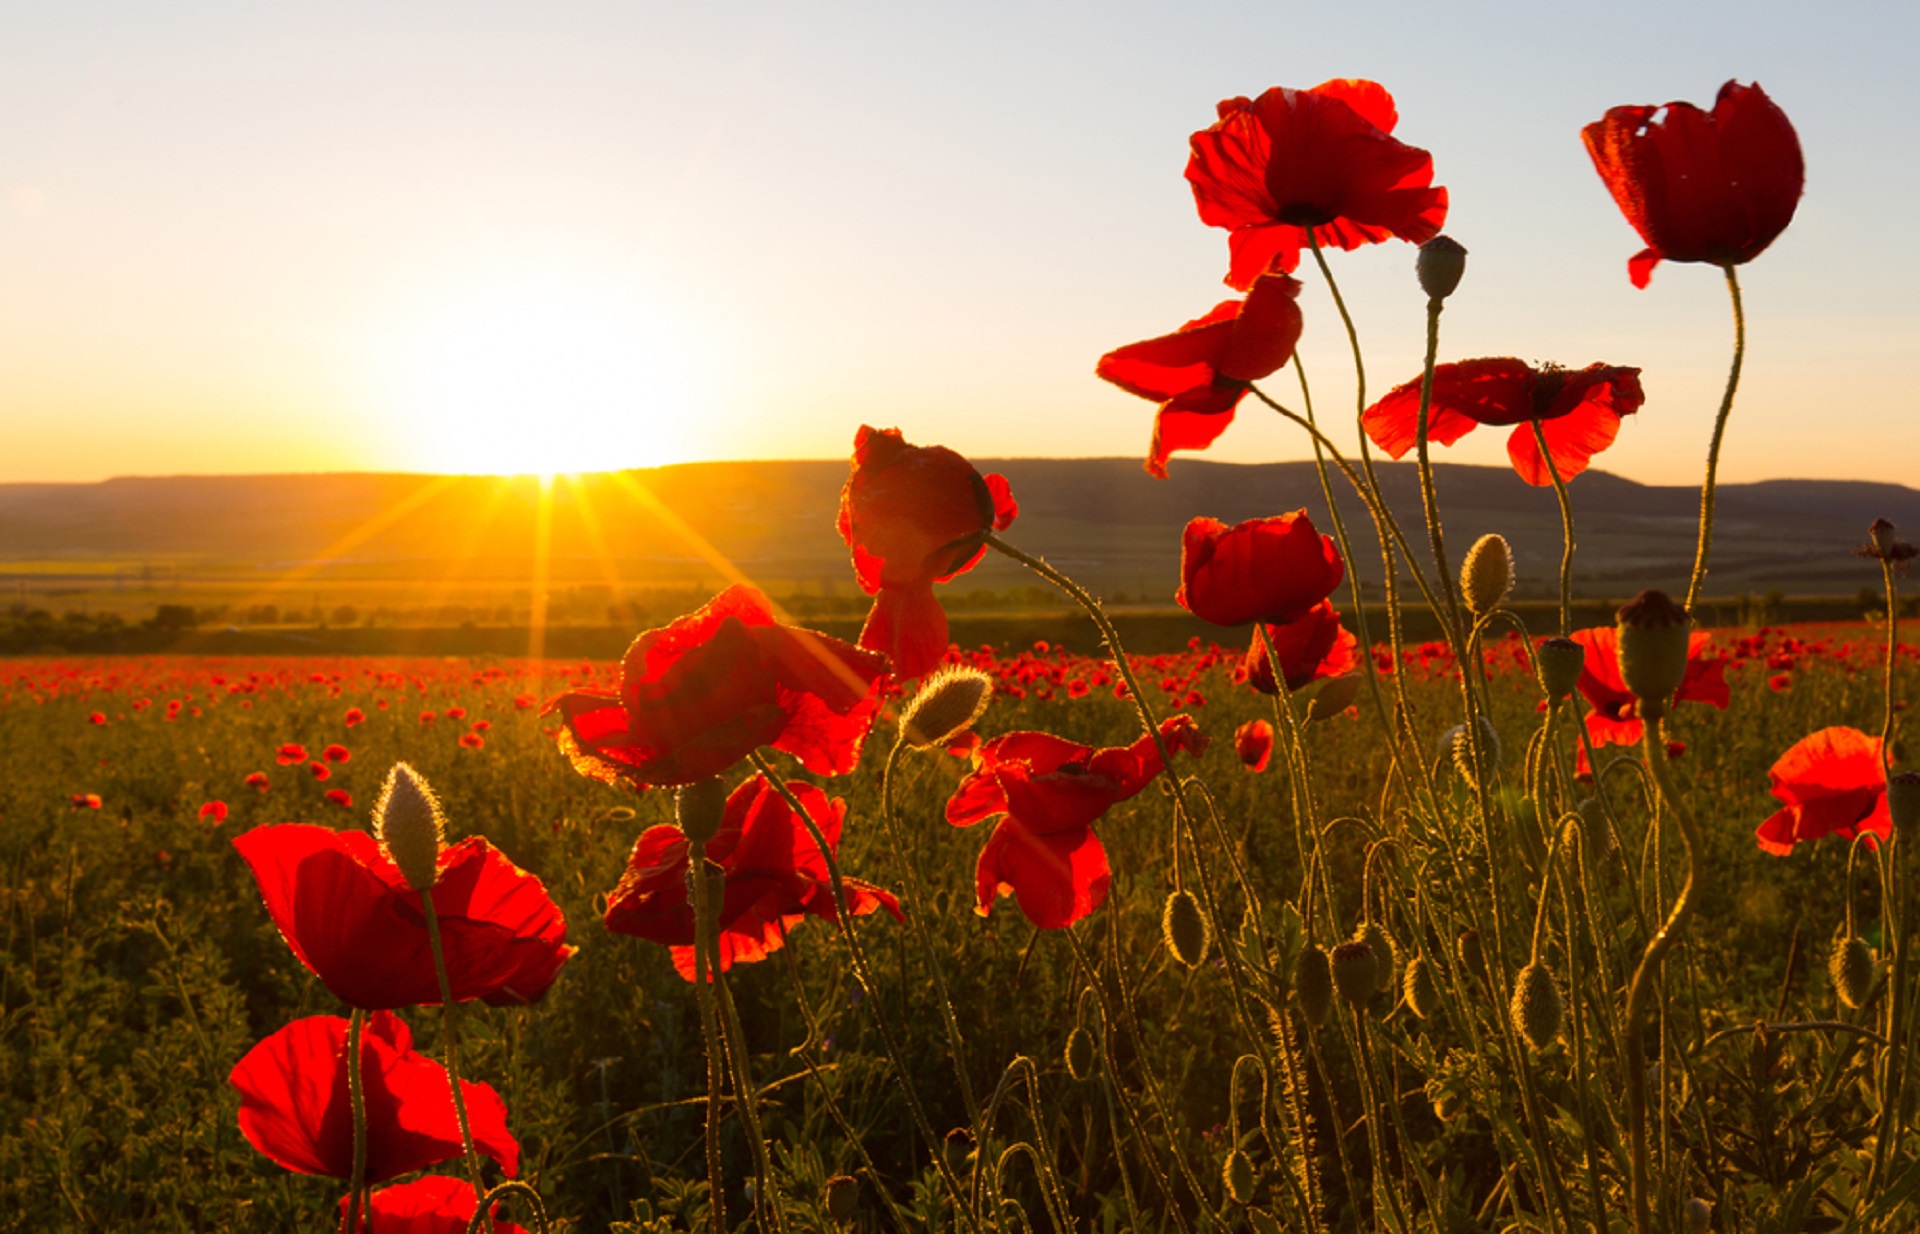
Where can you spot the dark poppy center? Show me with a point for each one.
(1549, 381)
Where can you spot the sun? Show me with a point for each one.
(539, 374)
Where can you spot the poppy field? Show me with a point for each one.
(1313, 928)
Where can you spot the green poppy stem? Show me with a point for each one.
(450, 1032)
(1566, 530)
(357, 1100)
(1719, 431)
(704, 962)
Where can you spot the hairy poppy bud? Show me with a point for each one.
(1185, 928)
(958, 1151)
(1486, 576)
(1422, 992)
(1467, 948)
(1386, 953)
(1850, 968)
(1079, 1053)
(1537, 1009)
(699, 806)
(946, 706)
(1654, 637)
(1560, 663)
(410, 824)
(1237, 1175)
(1441, 262)
(1356, 974)
(1696, 1216)
(842, 1197)
(1313, 984)
(1455, 746)
(1903, 802)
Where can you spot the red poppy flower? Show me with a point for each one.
(86, 801)
(215, 810)
(294, 1104)
(472, 741)
(354, 716)
(98, 717)
(290, 754)
(1578, 410)
(348, 914)
(1253, 743)
(1615, 717)
(1700, 186)
(340, 797)
(320, 771)
(1051, 790)
(1273, 168)
(1265, 569)
(1834, 783)
(259, 780)
(434, 1204)
(337, 753)
(1312, 647)
(699, 695)
(1199, 373)
(913, 516)
(775, 877)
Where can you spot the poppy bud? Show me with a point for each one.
(946, 706)
(1422, 992)
(1654, 638)
(1313, 984)
(1903, 802)
(1560, 661)
(1696, 1216)
(700, 806)
(1467, 948)
(1441, 262)
(410, 824)
(1356, 974)
(1486, 576)
(1237, 1175)
(1334, 697)
(958, 1150)
(1386, 953)
(1537, 1009)
(1079, 1053)
(842, 1197)
(1185, 928)
(1455, 746)
(1850, 968)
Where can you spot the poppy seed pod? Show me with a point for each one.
(1655, 638)
(1237, 1176)
(1185, 928)
(946, 706)
(1356, 974)
(1537, 1008)
(1441, 262)
(1386, 953)
(1850, 968)
(1313, 984)
(1422, 992)
(842, 1196)
(958, 1151)
(699, 807)
(1560, 662)
(1079, 1054)
(1903, 802)
(1486, 576)
(1696, 1216)
(410, 824)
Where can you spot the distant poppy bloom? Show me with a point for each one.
(1274, 168)
(294, 1104)
(354, 716)
(348, 914)
(290, 754)
(1265, 569)
(98, 717)
(472, 741)
(320, 771)
(337, 753)
(1310, 648)
(775, 877)
(427, 717)
(434, 1204)
(456, 713)
(1253, 744)
(913, 516)
(1712, 186)
(215, 810)
(701, 694)
(1615, 714)
(1834, 783)
(1051, 790)
(259, 780)
(1199, 373)
(1779, 682)
(86, 801)
(1578, 411)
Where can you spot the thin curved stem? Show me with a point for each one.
(1429, 495)
(1699, 577)
(1566, 531)
(451, 1044)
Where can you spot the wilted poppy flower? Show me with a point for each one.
(1578, 411)
(775, 876)
(1310, 648)
(215, 810)
(434, 1204)
(290, 754)
(1051, 790)
(1253, 744)
(913, 516)
(1273, 168)
(294, 1103)
(701, 694)
(348, 914)
(1712, 186)
(1615, 717)
(1199, 373)
(1265, 569)
(1834, 783)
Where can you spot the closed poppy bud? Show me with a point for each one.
(699, 808)
(1537, 1008)
(1467, 949)
(1560, 662)
(1386, 953)
(1696, 1216)
(1850, 968)
(1487, 574)
(1313, 984)
(1422, 992)
(1356, 973)
(1456, 746)
(842, 1197)
(1185, 928)
(1080, 1054)
(1441, 262)
(1903, 802)
(1237, 1176)
(409, 822)
(946, 706)
(958, 1150)
(1654, 642)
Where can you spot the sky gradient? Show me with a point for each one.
(237, 238)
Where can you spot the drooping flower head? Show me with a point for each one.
(699, 695)
(913, 516)
(1199, 373)
(1714, 186)
(1311, 647)
(1578, 411)
(1833, 783)
(349, 915)
(1323, 159)
(1051, 790)
(774, 877)
(1265, 569)
(1615, 715)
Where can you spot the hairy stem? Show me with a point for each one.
(1713, 451)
